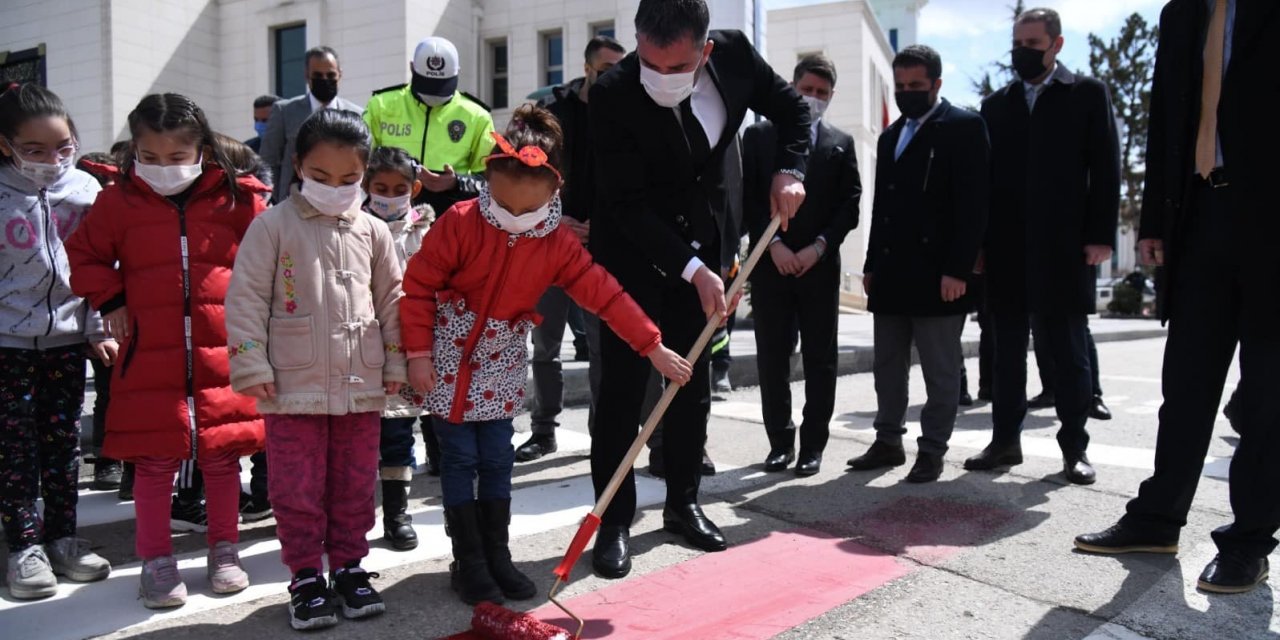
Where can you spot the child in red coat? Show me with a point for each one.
(470, 295)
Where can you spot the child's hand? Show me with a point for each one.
(261, 391)
(116, 324)
(422, 374)
(392, 388)
(671, 365)
(105, 351)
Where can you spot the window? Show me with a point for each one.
(23, 67)
(603, 29)
(552, 58)
(893, 40)
(291, 60)
(498, 73)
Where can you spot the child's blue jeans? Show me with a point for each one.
(471, 451)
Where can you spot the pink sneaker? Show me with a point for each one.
(225, 573)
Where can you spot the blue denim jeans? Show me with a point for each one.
(475, 450)
(396, 443)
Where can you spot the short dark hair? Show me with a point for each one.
(1052, 21)
(602, 42)
(321, 52)
(265, 101)
(918, 55)
(818, 65)
(394, 160)
(665, 21)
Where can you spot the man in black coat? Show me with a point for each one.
(927, 224)
(660, 123)
(1055, 200)
(1209, 218)
(798, 283)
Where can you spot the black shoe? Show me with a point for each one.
(966, 400)
(1078, 470)
(995, 456)
(357, 597)
(1098, 410)
(1045, 400)
(985, 395)
(720, 384)
(538, 445)
(809, 465)
(126, 483)
(254, 508)
(657, 468)
(1231, 412)
(106, 474)
(779, 459)
(469, 573)
(1233, 572)
(708, 468)
(611, 557)
(311, 605)
(1118, 539)
(928, 468)
(879, 456)
(495, 522)
(698, 530)
(397, 524)
(188, 516)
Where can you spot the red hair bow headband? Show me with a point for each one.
(530, 156)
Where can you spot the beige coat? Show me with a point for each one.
(313, 307)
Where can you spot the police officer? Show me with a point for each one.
(446, 130)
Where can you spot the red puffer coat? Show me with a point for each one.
(470, 295)
(170, 389)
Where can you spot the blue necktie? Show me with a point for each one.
(908, 132)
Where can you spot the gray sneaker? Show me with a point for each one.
(30, 575)
(225, 573)
(162, 586)
(72, 558)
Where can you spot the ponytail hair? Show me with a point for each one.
(22, 102)
(176, 113)
(531, 126)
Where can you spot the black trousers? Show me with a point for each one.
(1214, 308)
(673, 304)
(102, 396)
(1064, 336)
(780, 304)
(1046, 365)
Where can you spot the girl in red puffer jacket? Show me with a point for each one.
(470, 295)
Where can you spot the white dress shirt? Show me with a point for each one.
(316, 105)
(708, 107)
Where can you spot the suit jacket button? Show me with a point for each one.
(891, 186)
(679, 219)
(886, 251)
(925, 240)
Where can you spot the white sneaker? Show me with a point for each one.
(72, 558)
(225, 572)
(162, 586)
(30, 575)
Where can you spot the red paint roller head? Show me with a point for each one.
(493, 622)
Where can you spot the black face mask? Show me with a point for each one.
(324, 89)
(913, 104)
(1028, 63)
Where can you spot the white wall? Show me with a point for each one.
(903, 15)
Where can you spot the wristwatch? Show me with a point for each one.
(794, 173)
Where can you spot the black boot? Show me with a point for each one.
(397, 525)
(469, 573)
(433, 447)
(495, 519)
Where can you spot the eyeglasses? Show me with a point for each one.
(40, 153)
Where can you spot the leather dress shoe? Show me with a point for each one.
(698, 530)
(966, 400)
(779, 459)
(879, 456)
(928, 468)
(1045, 400)
(995, 456)
(538, 445)
(1099, 410)
(1233, 572)
(707, 468)
(611, 557)
(1118, 539)
(1078, 470)
(985, 395)
(809, 465)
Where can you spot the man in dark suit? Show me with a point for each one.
(927, 223)
(323, 75)
(798, 284)
(660, 123)
(1055, 200)
(1209, 218)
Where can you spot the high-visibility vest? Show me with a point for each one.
(456, 133)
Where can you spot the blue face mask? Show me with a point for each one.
(260, 127)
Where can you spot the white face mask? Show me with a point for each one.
(389, 208)
(667, 90)
(42, 174)
(516, 225)
(817, 107)
(170, 180)
(331, 201)
(434, 101)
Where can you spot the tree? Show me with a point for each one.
(1126, 64)
(989, 82)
